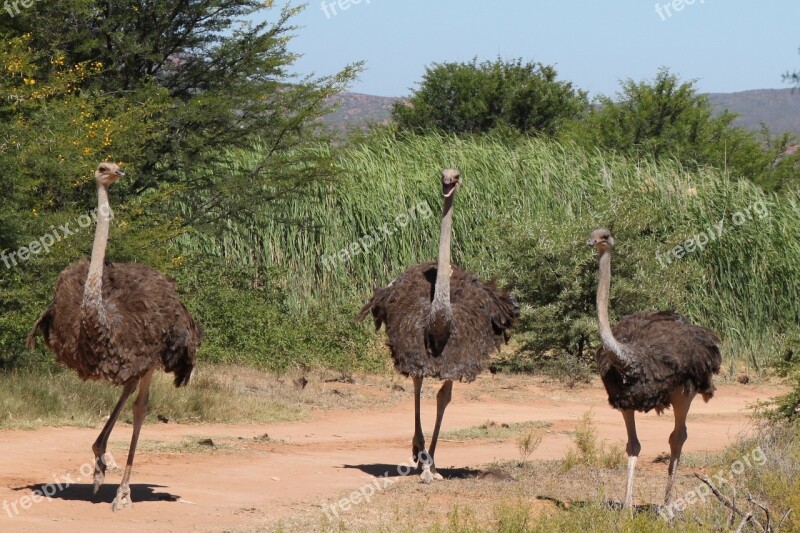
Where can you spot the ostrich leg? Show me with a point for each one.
(443, 397)
(99, 446)
(418, 442)
(680, 406)
(633, 448)
(123, 499)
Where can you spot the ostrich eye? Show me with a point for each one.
(103, 169)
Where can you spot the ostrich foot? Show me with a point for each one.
(101, 462)
(427, 475)
(123, 499)
(99, 477)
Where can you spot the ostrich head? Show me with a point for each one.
(451, 179)
(601, 239)
(107, 173)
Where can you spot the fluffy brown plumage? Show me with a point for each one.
(442, 323)
(482, 316)
(150, 325)
(671, 353)
(652, 360)
(118, 322)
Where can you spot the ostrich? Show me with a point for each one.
(117, 322)
(651, 360)
(443, 323)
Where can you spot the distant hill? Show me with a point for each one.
(779, 109)
(356, 111)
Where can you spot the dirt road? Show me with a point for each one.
(246, 480)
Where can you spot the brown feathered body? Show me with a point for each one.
(148, 325)
(670, 353)
(481, 318)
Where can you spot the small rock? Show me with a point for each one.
(744, 379)
(206, 442)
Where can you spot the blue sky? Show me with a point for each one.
(727, 45)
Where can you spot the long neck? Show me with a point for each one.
(440, 307)
(617, 352)
(93, 290)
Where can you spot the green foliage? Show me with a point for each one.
(768, 466)
(246, 320)
(667, 118)
(168, 90)
(552, 271)
(523, 215)
(479, 97)
(787, 407)
(589, 450)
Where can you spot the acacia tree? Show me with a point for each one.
(171, 88)
(175, 91)
(478, 97)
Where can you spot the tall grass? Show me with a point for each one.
(746, 285)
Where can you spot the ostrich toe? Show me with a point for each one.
(427, 475)
(123, 499)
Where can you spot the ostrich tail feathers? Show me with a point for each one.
(42, 325)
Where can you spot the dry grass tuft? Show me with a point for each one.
(491, 430)
(590, 451)
(216, 394)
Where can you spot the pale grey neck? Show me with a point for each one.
(603, 290)
(441, 293)
(93, 290)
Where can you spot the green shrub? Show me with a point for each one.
(589, 450)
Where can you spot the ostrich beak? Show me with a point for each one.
(450, 189)
(119, 172)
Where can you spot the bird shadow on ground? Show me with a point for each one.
(106, 494)
(387, 470)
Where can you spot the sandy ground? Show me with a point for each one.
(247, 481)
